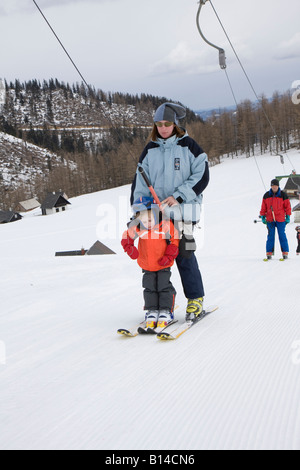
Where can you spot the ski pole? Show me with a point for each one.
(151, 189)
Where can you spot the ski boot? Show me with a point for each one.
(151, 318)
(194, 308)
(165, 317)
(285, 256)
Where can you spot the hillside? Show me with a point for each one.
(22, 162)
(70, 382)
(100, 136)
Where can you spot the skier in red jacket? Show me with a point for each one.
(276, 212)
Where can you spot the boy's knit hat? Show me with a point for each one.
(169, 112)
(144, 203)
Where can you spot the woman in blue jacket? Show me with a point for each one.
(178, 170)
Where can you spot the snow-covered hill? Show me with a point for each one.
(22, 162)
(68, 381)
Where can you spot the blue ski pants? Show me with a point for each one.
(282, 236)
(190, 276)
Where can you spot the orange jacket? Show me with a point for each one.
(153, 244)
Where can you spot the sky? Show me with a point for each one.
(153, 46)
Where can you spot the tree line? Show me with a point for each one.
(271, 125)
(95, 163)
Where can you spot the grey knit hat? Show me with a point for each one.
(169, 112)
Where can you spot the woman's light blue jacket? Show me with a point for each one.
(176, 167)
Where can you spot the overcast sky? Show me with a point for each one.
(153, 46)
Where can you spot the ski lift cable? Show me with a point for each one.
(222, 62)
(82, 77)
(106, 115)
(250, 83)
(202, 2)
(222, 56)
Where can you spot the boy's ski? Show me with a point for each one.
(176, 332)
(141, 329)
(154, 331)
(132, 332)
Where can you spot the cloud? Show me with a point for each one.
(185, 60)
(8, 7)
(289, 49)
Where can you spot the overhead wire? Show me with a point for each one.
(105, 113)
(249, 81)
(72, 61)
(222, 61)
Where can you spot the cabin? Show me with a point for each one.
(54, 203)
(97, 249)
(296, 210)
(7, 217)
(292, 187)
(100, 249)
(29, 205)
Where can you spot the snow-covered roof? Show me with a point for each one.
(55, 200)
(29, 205)
(9, 216)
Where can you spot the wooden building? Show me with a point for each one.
(29, 205)
(292, 187)
(55, 202)
(7, 217)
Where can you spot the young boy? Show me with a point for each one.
(298, 238)
(157, 250)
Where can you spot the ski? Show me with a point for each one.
(177, 332)
(132, 332)
(142, 330)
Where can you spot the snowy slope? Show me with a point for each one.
(68, 381)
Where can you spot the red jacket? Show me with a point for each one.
(276, 206)
(153, 244)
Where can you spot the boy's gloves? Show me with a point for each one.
(170, 254)
(129, 248)
(287, 219)
(264, 219)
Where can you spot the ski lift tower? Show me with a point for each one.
(2, 94)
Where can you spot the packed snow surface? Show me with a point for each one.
(68, 381)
